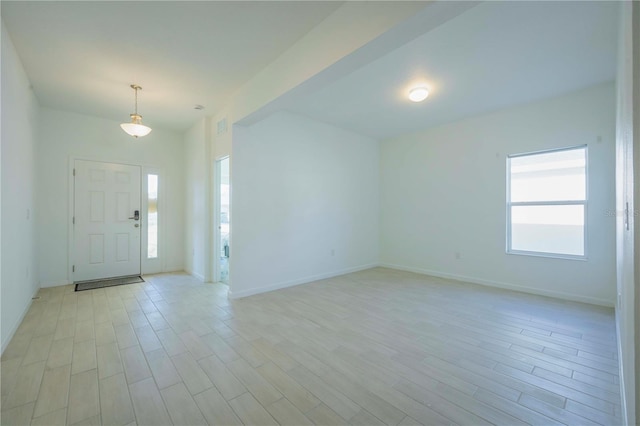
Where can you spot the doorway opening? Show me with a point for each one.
(222, 249)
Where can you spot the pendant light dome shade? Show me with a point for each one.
(136, 128)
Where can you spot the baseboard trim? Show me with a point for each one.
(200, 277)
(623, 387)
(54, 284)
(15, 327)
(292, 283)
(506, 286)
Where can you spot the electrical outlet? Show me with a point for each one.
(457, 255)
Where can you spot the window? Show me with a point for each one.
(152, 216)
(547, 203)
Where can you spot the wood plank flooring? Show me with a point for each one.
(373, 347)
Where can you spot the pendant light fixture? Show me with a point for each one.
(136, 128)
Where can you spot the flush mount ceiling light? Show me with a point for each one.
(418, 94)
(136, 128)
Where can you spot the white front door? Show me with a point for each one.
(106, 225)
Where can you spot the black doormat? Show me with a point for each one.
(110, 282)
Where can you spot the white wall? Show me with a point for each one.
(195, 200)
(443, 191)
(19, 132)
(203, 146)
(299, 190)
(64, 135)
(220, 143)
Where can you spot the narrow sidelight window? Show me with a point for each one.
(547, 203)
(152, 216)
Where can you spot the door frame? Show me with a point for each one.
(217, 238)
(145, 169)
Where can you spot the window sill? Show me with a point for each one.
(547, 255)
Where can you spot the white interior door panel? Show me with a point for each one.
(106, 226)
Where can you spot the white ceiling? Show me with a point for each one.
(495, 55)
(81, 56)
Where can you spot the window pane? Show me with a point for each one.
(551, 176)
(548, 229)
(152, 216)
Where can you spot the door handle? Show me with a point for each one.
(136, 215)
(626, 216)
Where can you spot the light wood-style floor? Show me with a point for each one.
(373, 347)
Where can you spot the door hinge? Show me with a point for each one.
(73, 220)
(73, 268)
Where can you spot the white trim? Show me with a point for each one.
(217, 239)
(71, 214)
(71, 193)
(16, 325)
(199, 277)
(209, 171)
(621, 376)
(144, 168)
(546, 151)
(507, 286)
(55, 284)
(510, 204)
(549, 203)
(305, 280)
(111, 160)
(215, 189)
(153, 265)
(548, 255)
(439, 274)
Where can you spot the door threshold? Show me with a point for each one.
(107, 282)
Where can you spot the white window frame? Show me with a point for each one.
(583, 203)
(153, 265)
